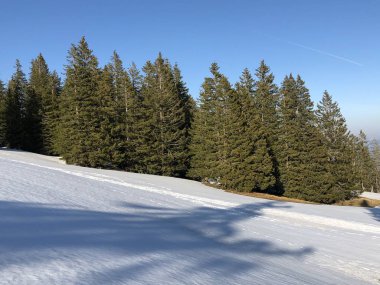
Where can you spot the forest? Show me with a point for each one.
(249, 136)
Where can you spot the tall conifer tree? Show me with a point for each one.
(333, 127)
(109, 133)
(15, 108)
(79, 113)
(266, 120)
(249, 165)
(2, 114)
(163, 130)
(209, 146)
(43, 108)
(303, 156)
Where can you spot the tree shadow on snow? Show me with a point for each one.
(206, 238)
(375, 213)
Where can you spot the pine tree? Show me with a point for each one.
(303, 157)
(209, 146)
(78, 114)
(2, 114)
(15, 109)
(249, 165)
(333, 127)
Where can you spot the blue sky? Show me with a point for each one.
(333, 45)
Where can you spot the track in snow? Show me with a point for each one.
(62, 224)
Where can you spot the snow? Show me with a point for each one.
(370, 195)
(64, 224)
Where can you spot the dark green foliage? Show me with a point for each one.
(162, 127)
(135, 122)
(109, 132)
(337, 141)
(303, 156)
(78, 116)
(209, 147)
(266, 122)
(363, 164)
(249, 164)
(51, 116)
(375, 155)
(2, 114)
(32, 122)
(15, 109)
(123, 97)
(43, 106)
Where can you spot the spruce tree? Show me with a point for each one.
(33, 122)
(375, 154)
(43, 108)
(266, 120)
(363, 164)
(109, 133)
(136, 124)
(303, 156)
(2, 114)
(249, 164)
(78, 110)
(188, 106)
(124, 95)
(209, 146)
(333, 127)
(51, 116)
(163, 131)
(15, 109)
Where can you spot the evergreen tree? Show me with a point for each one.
(266, 120)
(163, 130)
(249, 165)
(363, 165)
(375, 154)
(109, 135)
(136, 124)
(188, 106)
(303, 156)
(51, 116)
(79, 116)
(209, 146)
(2, 114)
(32, 122)
(15, 109)
(42, 109)
(124, 96)
(333, 127)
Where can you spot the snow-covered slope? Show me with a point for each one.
(371, 195)
(62, 224)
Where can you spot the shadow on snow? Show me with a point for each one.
(206, 236)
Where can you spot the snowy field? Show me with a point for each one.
(62, 224)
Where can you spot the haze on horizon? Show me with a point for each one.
(331, 44)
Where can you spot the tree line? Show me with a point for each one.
(250, 136)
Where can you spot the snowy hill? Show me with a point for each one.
(62, 224)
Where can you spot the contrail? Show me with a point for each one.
(326, 53)
(315, 50)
